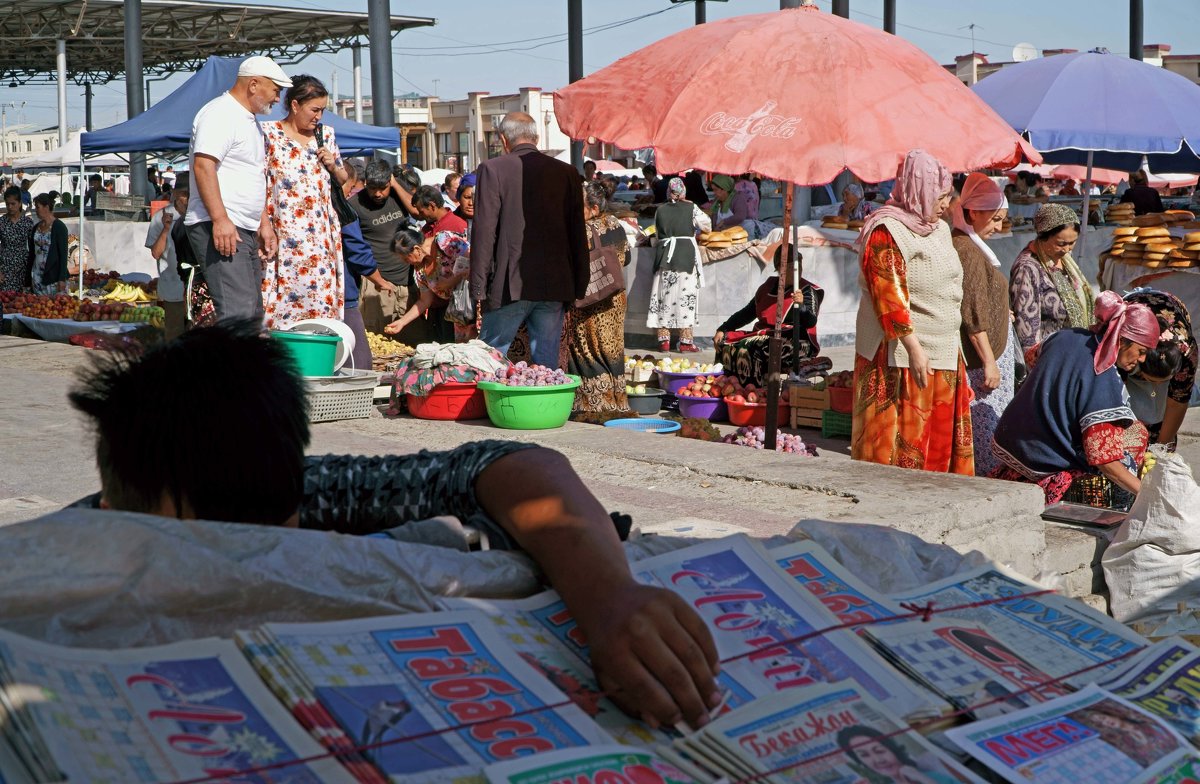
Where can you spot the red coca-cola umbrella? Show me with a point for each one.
(796, 95)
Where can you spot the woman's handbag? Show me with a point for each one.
(461, 309)
(606, 277)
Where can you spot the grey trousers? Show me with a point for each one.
(234, 282)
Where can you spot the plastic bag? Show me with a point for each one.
(1153, 561)
(461, 309)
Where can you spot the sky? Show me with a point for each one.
(501, 45)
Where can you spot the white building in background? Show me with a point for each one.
(21, 142)
(460, 134)
(970, 68)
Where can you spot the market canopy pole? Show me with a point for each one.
(357, 49)
(575, 65)
(889, 16)
(701, 17)
(1136, 20)
(60, 62)
(134, 100)
(841, 8)
(383, 112)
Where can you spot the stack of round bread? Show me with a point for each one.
(854, 225)
(834, 222)
(724, 239)
(1189, 254)
(1121, 239)
(1121, 213)
(1150, 219)
(1176, 217)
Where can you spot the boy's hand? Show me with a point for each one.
(652, 655)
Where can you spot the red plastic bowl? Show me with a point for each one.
(841, 399)
(451, 400)
(750, 414)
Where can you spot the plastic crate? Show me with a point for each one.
(835, 424)
(350, 395)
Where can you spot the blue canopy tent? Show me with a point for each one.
(167, 126)
(1099, 109)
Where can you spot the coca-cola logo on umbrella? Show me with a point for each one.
(743, 129)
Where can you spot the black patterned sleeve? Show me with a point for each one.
(352, 494)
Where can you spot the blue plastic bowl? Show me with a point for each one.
(645, 425)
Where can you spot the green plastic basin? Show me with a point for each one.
(529, 408)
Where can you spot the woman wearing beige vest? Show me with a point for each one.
(911, 397)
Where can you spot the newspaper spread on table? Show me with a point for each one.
(168, 713)
(967, 664)
(828, 732)
(408, 688)
(1091, 736)
(1148, 666)
(543, 632)
(1166, 685)
(1057, 635)
(842, 593)
(750, 604)
(589, 765)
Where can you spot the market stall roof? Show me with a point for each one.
(179, 35)
(166, 127)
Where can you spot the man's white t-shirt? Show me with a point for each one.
(170, 286)
(227, 131)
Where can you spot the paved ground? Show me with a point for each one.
(665, 483)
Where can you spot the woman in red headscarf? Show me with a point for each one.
(1071, 416)
(911, 398)
(986, 320)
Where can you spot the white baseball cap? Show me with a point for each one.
(266, 67)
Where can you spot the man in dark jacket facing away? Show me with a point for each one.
(529, 253)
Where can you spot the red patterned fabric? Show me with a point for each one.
(1103, 443)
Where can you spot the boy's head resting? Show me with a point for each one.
(211, 426)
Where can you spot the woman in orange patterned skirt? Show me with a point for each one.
(911, 395)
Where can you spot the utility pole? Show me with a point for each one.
(841, 8)
(889, 16)
(575, 64)
(1136, 21)
(788, 4)
(357, 50)
(701, 16)
(383, 110)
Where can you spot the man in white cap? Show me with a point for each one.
(226, 220)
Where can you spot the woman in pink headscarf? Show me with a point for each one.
(1071, 416)
(986, 322)
(911, 399)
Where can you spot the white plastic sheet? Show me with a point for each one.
(87, 577)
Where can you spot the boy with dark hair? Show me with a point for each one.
(236, 453)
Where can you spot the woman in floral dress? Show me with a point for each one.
(305, 278)
(15, 230)
(439, 264)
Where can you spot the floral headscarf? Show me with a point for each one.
(1051, 216)
(675, 189)
(920, 181)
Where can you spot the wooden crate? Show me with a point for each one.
(807, 403)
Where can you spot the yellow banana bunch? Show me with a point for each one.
(127, 292)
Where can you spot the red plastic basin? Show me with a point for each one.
(451, 400)
(750, 414)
